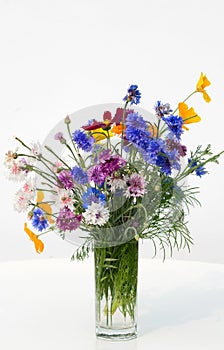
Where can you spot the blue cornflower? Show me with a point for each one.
(92, 195)
(163, 162)
(136, 121)
(200, 170)
(82, 140)
(174, 159)
(174, 124)
(79, 175)
(153, 148)
(162, 109)
(38, 220)
(133, 95)
(138, 137)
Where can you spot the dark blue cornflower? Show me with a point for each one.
(163, 162)
(133, 96)
(82, 140)
(162, 109)
(79, 175)
(38, 220)
(174, 124)
(92, 195)
(136, 121)
(200, 170)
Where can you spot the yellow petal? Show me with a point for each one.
(47, 209)
(188, 114)
(44, 206)
(101, 134)
(40, 196)
(206, 97)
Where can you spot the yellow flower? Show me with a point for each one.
(202, 83)
(39, 245)
(188, 115)
(101, 134)
(44, 206)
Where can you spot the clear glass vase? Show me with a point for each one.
(116, 277)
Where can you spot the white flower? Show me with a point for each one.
(63, 197)
(24, 195)
(116, 183)
(96, 214)
(35, 150)
(15, 170)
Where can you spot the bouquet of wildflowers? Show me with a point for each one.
(124, 181)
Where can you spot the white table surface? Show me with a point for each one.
(49, 304)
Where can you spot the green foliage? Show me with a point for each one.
(116, 270)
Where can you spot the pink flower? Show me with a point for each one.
(67, 220)
(136, 186)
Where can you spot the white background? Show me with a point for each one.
(60, 56)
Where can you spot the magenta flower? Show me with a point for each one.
(95, 174)
(65, 179)
(67, 220)
(109, 164)
(105, 155)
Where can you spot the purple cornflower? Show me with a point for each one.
(79, 175)
(95, 174)
(67, 220)
(59, 136)
(114, 163)
(162, 109)
(136, 186)
(38, 220)
(105, 155)
(108, 165)
(82, 140)
(93, 195)
(133, 95)
(65, 179)
(173, 144)
(174, 124)
(136, 121)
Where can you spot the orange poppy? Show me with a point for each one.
(202, 83)
(117, 129)
(39, 245)
(188, 115)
